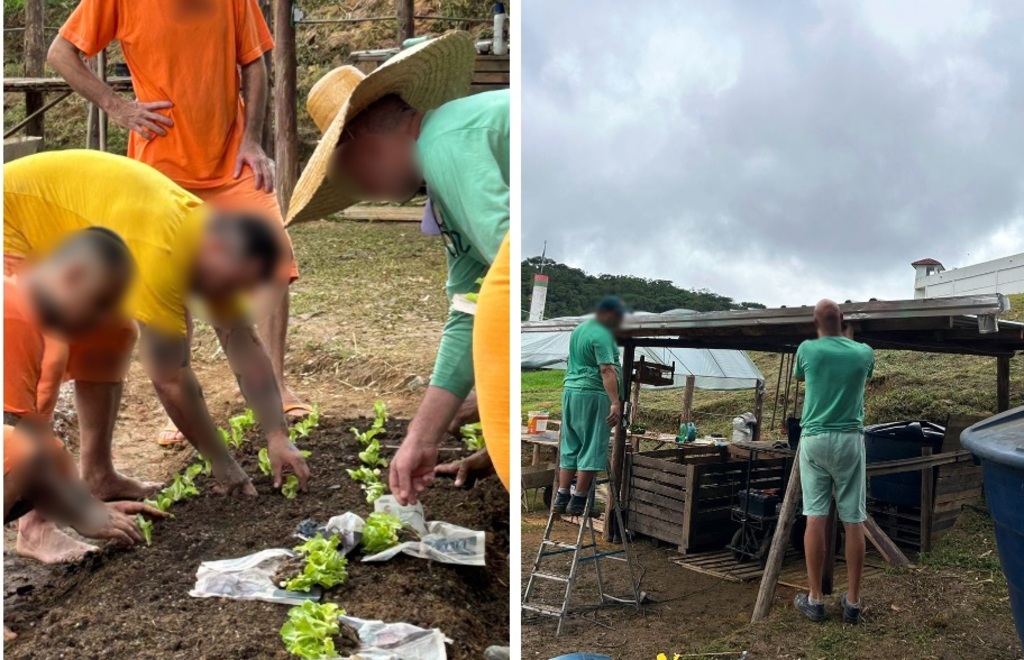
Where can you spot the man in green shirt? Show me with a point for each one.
(590, 404)
(835, 369)
(385, 135)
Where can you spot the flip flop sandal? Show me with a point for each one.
(166, 439)
(304, 410)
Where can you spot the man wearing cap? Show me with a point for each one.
(195, 119)
(590, 404)
(387, 133)
(832, 454)
(185, 252)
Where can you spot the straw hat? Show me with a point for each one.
(425, 76)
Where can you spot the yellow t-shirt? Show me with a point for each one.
(48, 195)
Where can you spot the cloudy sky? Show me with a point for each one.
(775, 152)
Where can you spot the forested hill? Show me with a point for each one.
(573, 292)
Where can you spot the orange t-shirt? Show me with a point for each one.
(23, 352)
(186, 52)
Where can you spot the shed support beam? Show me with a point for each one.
(691, 382)
(286, 143)
(406, 20)
(1002, 383)
(618, 453)
(35, 61)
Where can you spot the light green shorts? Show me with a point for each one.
(831, 461)
(585, 432)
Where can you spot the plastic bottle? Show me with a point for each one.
(500, 44)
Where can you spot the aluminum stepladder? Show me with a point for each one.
(550, 548)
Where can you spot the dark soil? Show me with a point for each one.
(135, 603)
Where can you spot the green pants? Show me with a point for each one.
(585, 432)
(834, 460)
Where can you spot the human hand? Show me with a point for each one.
(615, 416)
(106, 522)
(412, 469)
(283, 453)
(468, 413)
(131, 508)
(142, 117)
(251, 153)
(468, 470)
(232, 480)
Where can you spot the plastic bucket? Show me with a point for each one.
(894, 441)
(999, 443)
(537, 421)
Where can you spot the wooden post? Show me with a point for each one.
(286, 148)
(689, 502)
(1002, 383)
(267, 141)
(35, 60)
(617, 476)
(889, 550)
(828, 569)
(691, 382)
(927, 502)
(101, 115)
(772, 569)
(758, 409)
(406, 23)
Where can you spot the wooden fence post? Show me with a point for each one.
(780, 540)
(691, 382)
(927, 502)
(285, 123)
(406, 23)
(35, 60)
(1002, 383)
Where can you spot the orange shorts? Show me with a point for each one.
(19, 447)
(241, 195)
(490, 360)
(102, 356)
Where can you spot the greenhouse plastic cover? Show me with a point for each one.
(714, 368)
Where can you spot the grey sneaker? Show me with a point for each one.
(577, 506)
(561, 502)
(813, 612)
(851, 613)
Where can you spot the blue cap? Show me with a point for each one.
(612, 304)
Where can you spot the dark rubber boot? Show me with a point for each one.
(561, 502)
(577, 505)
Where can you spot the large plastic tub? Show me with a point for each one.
(999, 443)
(894, 441)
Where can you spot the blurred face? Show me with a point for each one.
(221, 271)
(77, 296)
(381, 167)
(610, 320)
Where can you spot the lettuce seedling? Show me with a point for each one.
(290, 487)
(472, 435)
(303, 427)
(366, 437)
(324, 565)
(310, 630)
(380, 411)
(371, 455)
(264, 461)
(145, 526)
(381, 532)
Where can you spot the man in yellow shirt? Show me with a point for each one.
(184, 251)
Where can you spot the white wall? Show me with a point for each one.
(1004, 275)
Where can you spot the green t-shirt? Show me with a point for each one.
(590, 346)
(463, 150)
(836, 369)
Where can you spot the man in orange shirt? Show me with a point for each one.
(195, 119)
(74, 290)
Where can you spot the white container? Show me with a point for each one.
(537, 421)
(500, 44)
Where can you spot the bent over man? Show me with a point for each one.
(832, 455)
(200, 85)
(184, 250)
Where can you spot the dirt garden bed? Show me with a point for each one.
(135, 603)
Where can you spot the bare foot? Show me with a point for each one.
(116, 486)
(42, 541)
(8, 635)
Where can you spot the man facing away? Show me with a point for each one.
(70, 292)
(185, 252)
(201, 87)
(832, 455)
(590, 404)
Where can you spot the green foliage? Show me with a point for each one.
(380, 532)
(369, 474)
(380, 411)
(239, 425)
(310, 629)
(324, 565)
(303, 427)
(264, 461)
(290, 487)
(474, 296)
(371, 456)
(369, 478)
(572, 292)
(145, 526)
(473, 436)
(182, 488)
(367, 436)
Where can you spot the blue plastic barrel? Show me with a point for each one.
(999, 443)
(894, 441)
(583, 656)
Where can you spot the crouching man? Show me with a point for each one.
(69, 294)
(836, 369)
